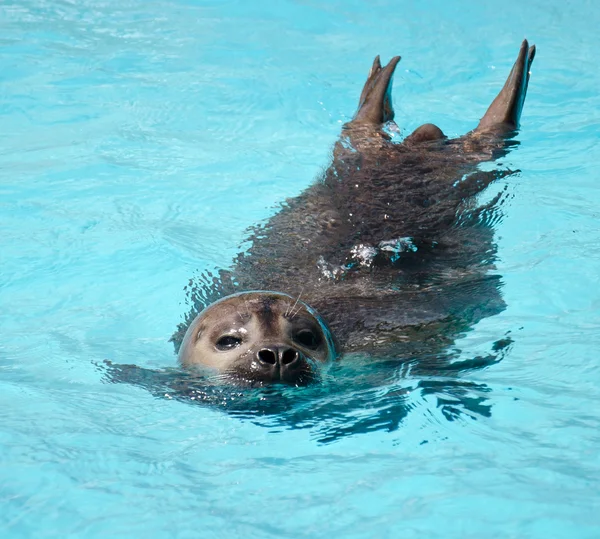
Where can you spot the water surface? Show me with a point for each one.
(139, 140)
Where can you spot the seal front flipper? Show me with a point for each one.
(375, 104)
(503, 115)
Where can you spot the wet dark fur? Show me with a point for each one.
(421, 191)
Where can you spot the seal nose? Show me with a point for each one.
(283, 356)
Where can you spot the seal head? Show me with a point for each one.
(259, 337)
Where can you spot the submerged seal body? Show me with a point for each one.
(389, 248)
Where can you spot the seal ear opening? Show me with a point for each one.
(504, 113)
(375, 104)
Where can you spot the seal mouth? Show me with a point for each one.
(238, 379)
(291, 368)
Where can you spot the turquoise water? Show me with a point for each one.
(140, 139)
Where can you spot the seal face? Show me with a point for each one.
(259, 337)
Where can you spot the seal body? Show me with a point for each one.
(388, 246)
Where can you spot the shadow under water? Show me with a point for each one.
(356, 396)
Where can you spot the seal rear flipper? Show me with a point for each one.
(375, 105)
(503, 115)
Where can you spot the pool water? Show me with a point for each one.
(140, 139)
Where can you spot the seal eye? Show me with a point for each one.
(308, 338)
(227, 342)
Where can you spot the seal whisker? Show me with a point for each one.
(297, 311)
(293, 314)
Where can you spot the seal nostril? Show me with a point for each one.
(289, 356)
(267, 356)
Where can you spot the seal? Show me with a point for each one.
(389, 246)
